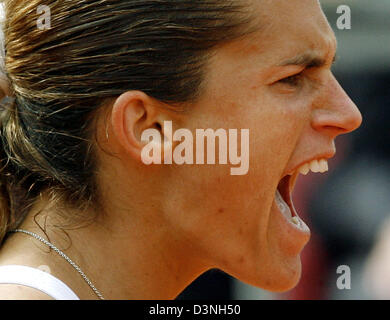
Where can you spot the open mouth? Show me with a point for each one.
(283, 194)
(283, 197)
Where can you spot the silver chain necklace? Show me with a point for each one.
(52, 246)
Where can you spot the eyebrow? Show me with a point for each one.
(307, 60)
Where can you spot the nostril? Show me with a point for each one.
(340, 130)
(334, 122)
(334, 131)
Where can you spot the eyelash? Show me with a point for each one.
(293, 80)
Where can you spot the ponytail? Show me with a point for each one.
(5, 202)
(6, 104)
(6, 172)
(4, 193)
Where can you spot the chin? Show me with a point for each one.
(286, 276)
(279, 277)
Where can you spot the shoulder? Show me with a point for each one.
(23, 282)
(19, 292)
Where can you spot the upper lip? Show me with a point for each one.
(291, 170)
(293, 173)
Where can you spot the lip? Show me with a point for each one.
(294, 237)
(304, 230)
(292, 169)
(293, 180)
(291, 237)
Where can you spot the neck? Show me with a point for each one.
(137, 260)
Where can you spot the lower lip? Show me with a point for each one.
(293, 237)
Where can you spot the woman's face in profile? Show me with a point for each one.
(278, 84)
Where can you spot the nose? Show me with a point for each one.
(336, 113)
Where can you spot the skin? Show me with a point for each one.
(164, 225)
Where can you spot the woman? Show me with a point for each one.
(100, 74)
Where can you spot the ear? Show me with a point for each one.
(133, 113)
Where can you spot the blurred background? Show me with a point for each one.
(348, 209)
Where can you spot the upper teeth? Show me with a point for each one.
(315, 166)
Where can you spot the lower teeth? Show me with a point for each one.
(285, 209)
(283, 206)
(295, 220)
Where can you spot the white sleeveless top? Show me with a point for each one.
(36, 279)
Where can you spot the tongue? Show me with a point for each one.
(283, 206)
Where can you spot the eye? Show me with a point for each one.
(293, 80)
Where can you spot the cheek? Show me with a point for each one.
(213, 193)
(225, 214)
(217, 212)
(285, 122)
(273, 139)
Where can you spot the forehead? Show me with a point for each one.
(288, 32)
(288, 28)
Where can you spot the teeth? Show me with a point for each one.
(285, 210)
(304, 169)
(314, 166)
(283, 206)
(295, 220)
(324, 165)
